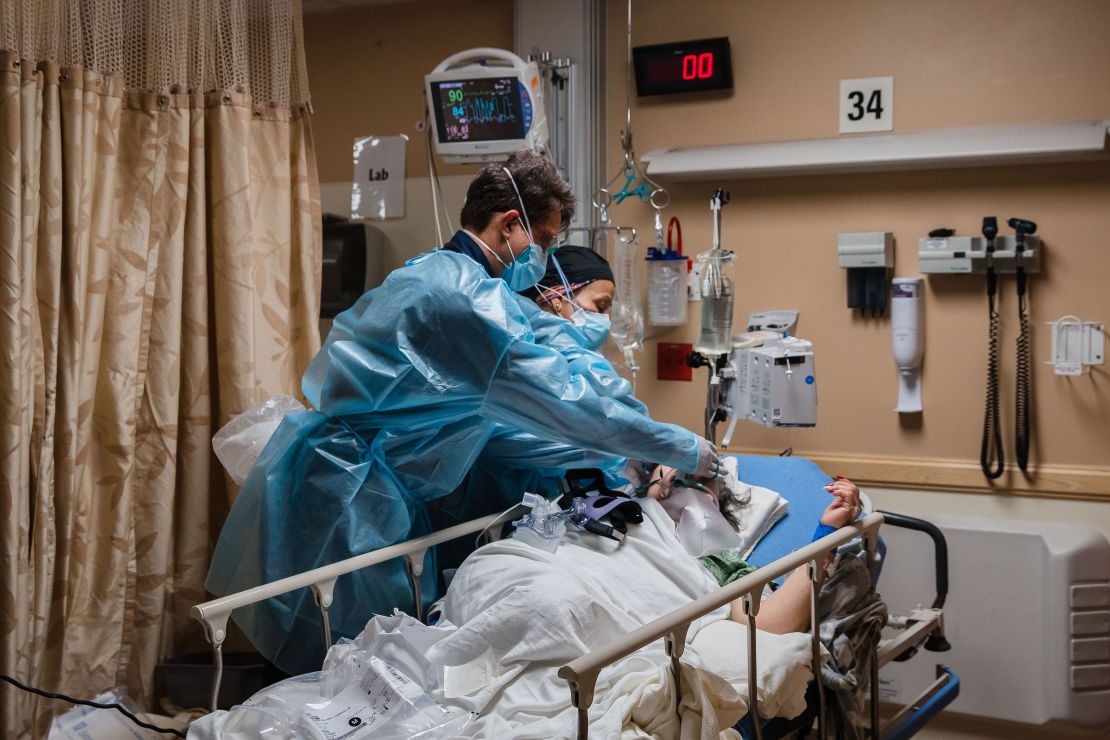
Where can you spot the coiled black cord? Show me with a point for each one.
(992, 425)
(1022, 381)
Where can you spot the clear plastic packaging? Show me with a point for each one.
(90, 723)
(356, 697)
(240, 441)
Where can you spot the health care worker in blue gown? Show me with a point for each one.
(408, 390)
(578, 287)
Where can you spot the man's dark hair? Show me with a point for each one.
(542, 189)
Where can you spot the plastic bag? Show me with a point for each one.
(241, 440)
(356, 697)
(90, 723)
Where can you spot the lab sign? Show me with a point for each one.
(866, 104)
(379, 187)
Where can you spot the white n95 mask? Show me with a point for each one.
(702, 528)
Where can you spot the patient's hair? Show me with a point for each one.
(732, 504)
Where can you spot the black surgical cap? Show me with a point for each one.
(580, 265)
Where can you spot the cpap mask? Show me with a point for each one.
(700, 526)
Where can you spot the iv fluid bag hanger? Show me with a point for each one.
(485, 104)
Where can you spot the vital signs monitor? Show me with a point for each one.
(485, 104)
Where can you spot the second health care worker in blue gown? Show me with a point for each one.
(414, 382)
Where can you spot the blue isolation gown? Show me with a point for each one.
(416, 381)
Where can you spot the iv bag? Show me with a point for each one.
(627, 313)
(717, 293)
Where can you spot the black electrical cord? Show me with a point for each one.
(1023, 379)
(1021, 387)
(992, 425)
(96, 704)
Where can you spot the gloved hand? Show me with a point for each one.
(709, 464)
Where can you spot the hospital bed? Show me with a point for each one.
(778, 554)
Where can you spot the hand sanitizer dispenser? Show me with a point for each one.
(909, 343)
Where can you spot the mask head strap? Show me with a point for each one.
(523, 212)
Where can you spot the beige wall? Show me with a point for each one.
(366, 70)
(954, 64)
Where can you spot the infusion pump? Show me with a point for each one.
(485, 104)
(774, 381)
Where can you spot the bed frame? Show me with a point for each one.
(923, 626)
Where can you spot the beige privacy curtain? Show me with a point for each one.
(159, 272)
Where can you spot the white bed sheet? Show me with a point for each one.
(514, 614)
(520, 613)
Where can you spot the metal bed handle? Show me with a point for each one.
(213, 615)
(940, 549)
(581, 674)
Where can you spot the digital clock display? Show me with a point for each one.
(684, 66)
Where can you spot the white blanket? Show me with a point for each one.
(514, 614)
(521, 613)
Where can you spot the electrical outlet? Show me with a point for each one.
(672, 361)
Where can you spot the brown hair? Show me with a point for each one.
(542, 188)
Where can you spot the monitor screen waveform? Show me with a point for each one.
(481, 109)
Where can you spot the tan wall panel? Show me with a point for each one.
(984, 62)
(366, 71)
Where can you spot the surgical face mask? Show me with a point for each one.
(593, 326)
(528, 267)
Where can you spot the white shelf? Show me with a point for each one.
(968, 147)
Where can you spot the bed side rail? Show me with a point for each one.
(581, 674)
(213, 615)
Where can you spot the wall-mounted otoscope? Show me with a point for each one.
(992, 426)
(991, 457)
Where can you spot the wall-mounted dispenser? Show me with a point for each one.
(908, 339)
(868, 256)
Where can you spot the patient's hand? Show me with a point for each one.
(845, 507)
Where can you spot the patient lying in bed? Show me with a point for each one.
(515, 613)
(521, 612)
(784, 610)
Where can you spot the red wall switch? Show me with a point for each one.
(672, 361)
